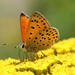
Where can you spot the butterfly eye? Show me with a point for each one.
(23, 45)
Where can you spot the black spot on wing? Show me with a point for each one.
(36, 21)
(40, 40)
(32, 21)
(34, 41)
(29, 37)
(32, 27)
(37, 25)
(41, 20)
(43, 44)
(44, 23)
(35, 37)
(30, 33)
(46, 30)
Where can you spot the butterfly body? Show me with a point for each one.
(38, 34)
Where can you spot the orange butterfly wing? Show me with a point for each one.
(24, 21)
(37, 23)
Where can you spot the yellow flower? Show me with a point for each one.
(58, 60)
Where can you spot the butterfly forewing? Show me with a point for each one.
(37, 23)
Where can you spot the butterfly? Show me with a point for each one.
(36, 33)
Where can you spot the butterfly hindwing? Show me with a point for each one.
(44, 39)
(24, 22)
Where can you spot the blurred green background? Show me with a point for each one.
(59, 13)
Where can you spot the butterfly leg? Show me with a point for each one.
(21, 55)
(22, 59)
